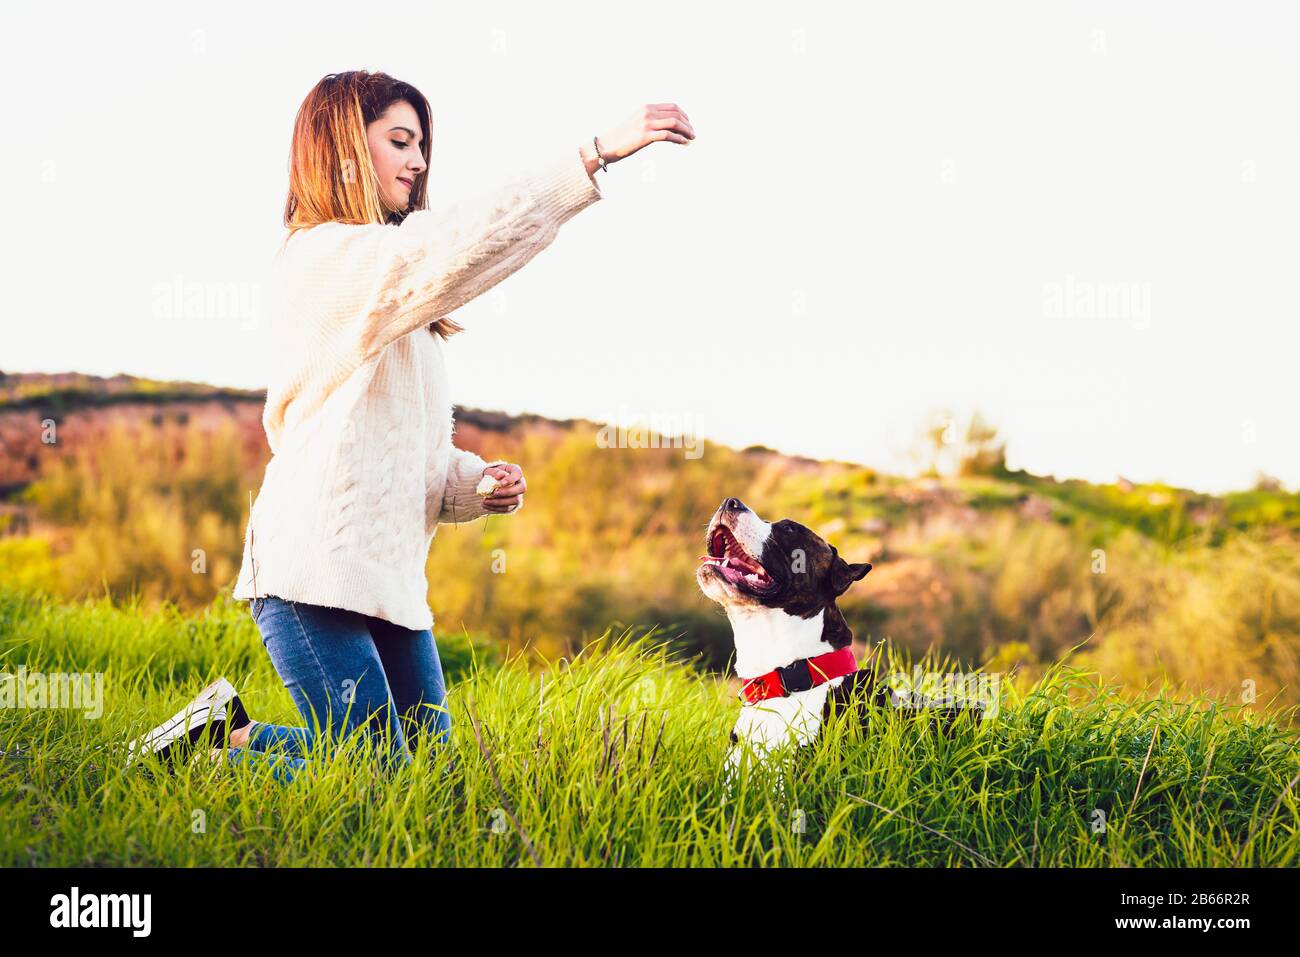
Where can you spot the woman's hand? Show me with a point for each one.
(509, 493)
(653, 122)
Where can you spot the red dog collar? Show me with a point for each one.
(800, 675)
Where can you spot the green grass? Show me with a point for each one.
(615, 758)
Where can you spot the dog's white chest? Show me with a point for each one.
(793, 719)
(776, 723)
(766, 639)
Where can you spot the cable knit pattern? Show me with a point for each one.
(358, 412)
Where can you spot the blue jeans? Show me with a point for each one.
(346, 671)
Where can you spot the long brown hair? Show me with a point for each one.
(331, 176)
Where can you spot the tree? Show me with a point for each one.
(945, 446)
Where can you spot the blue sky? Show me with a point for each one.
(1079, 219)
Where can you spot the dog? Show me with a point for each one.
(778, 584)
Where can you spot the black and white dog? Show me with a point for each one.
(778, 583)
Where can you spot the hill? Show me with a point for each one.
(145, 491)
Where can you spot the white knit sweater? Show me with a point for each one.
(358, 414)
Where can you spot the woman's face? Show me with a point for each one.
(394, 141)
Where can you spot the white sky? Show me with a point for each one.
(872, 223)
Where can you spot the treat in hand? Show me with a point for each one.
(502, 487)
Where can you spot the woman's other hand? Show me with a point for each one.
(508, 496)
(651, 123)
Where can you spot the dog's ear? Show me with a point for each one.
(844, 574)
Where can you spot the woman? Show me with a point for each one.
(359, 420)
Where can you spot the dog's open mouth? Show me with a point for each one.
(731, 560)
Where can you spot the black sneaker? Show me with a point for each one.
(207, 716)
